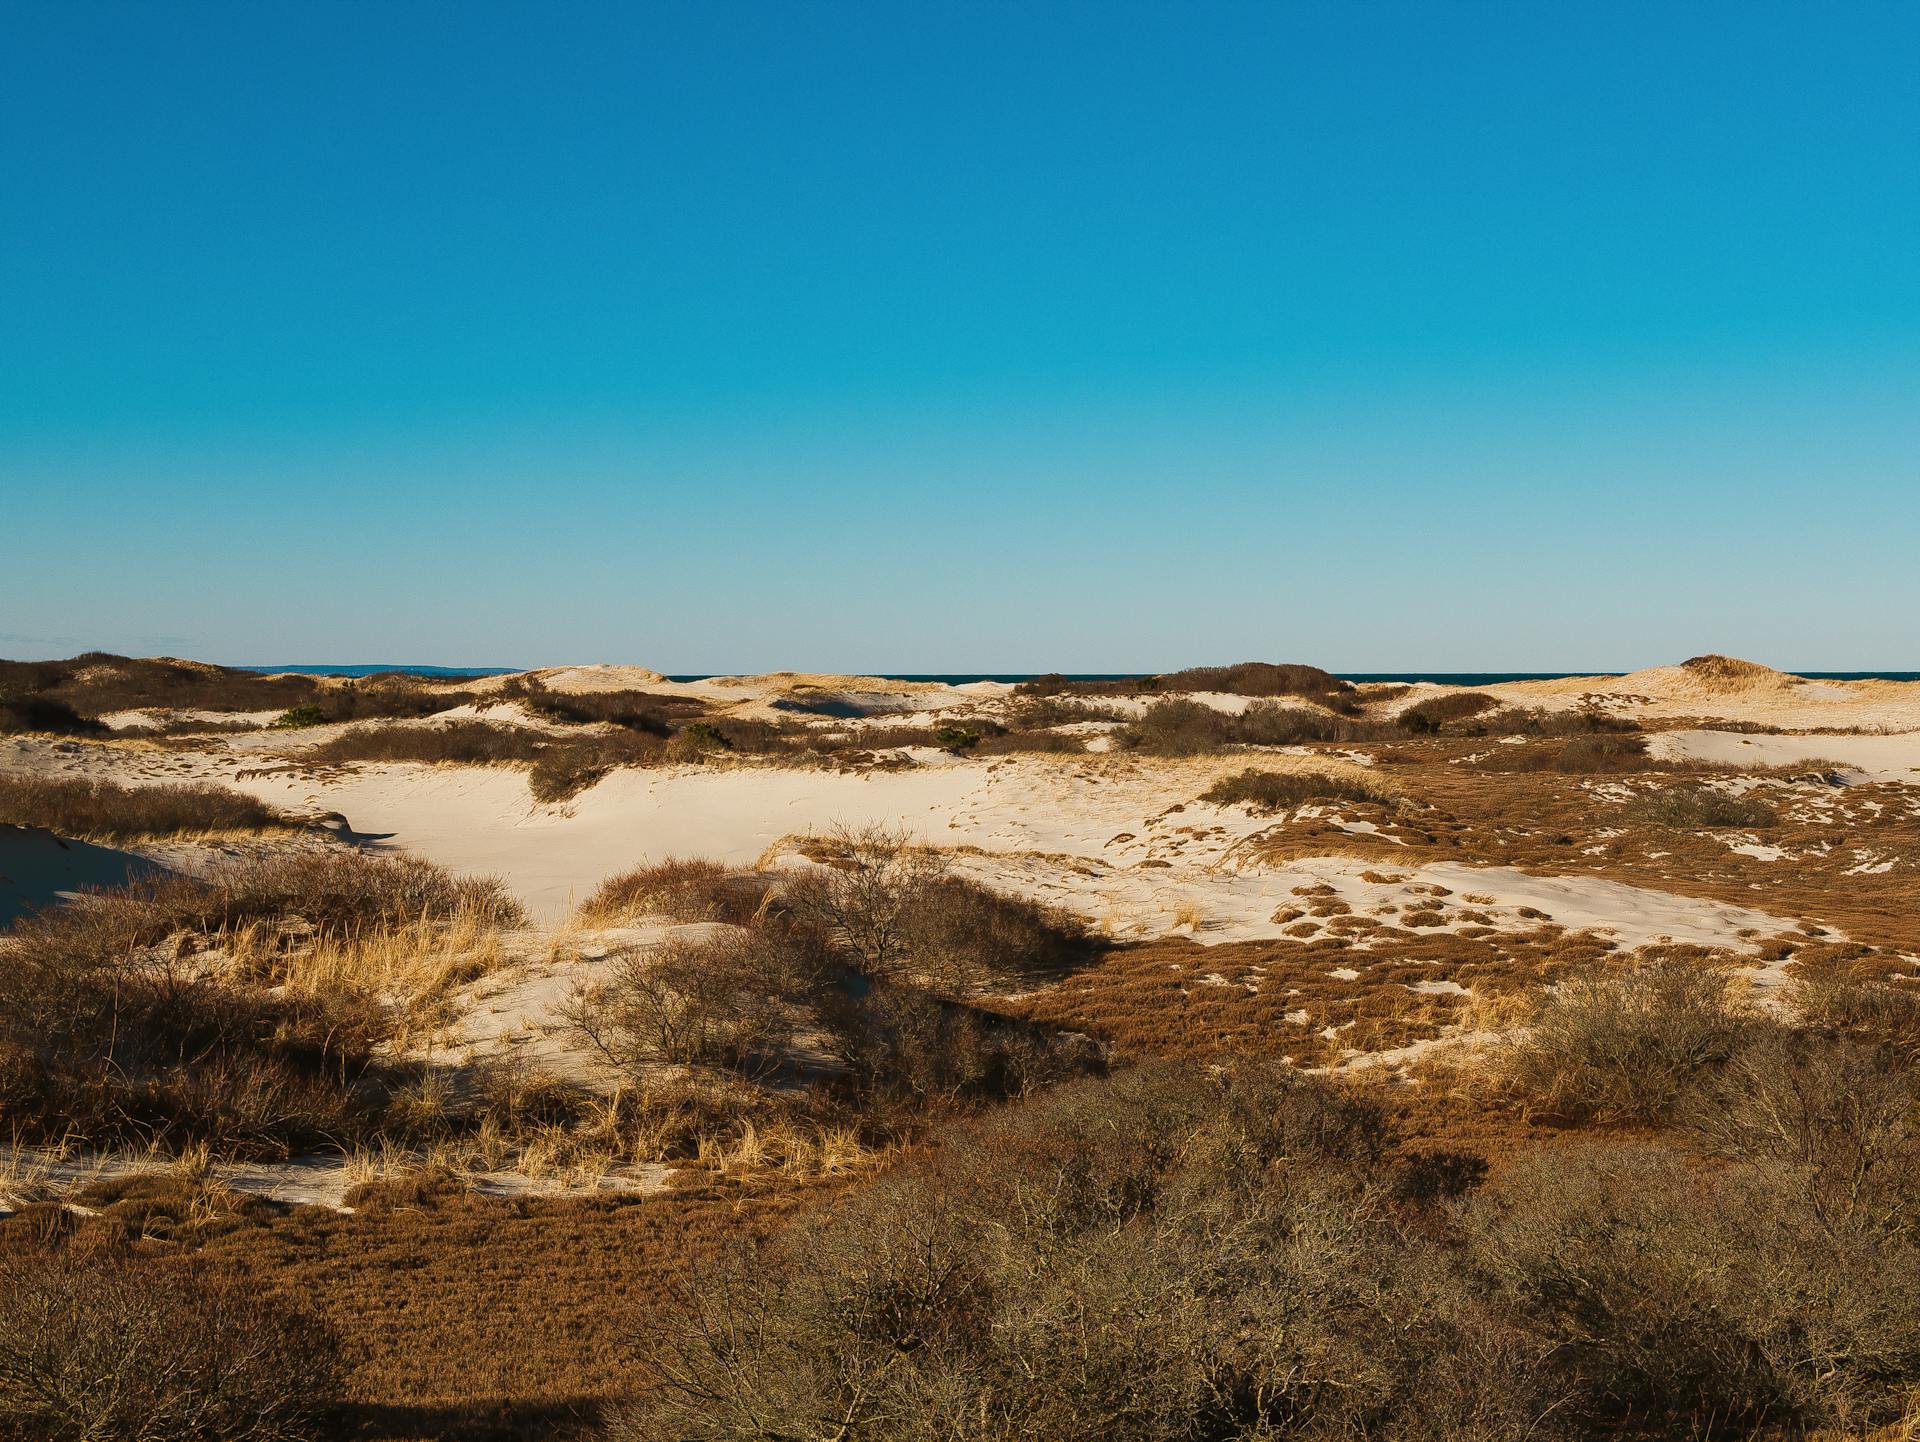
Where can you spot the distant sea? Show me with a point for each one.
(1442, 678)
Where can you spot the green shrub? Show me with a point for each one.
(957, 739)
(298, 717)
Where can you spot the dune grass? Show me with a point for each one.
(105, 811)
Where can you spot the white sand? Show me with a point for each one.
(1879, 758)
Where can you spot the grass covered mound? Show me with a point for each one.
(105, 811)
(245, 1011)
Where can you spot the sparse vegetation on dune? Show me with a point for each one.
(679, 888)
(873, 953)
(68, 696)
(102, 810)
(1247, 678)
(247, 1010)
(945, 1163)
(1180, 1251)
(1695, 806)
(460, 743)
(1270, 791)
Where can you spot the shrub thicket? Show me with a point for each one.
(105, 1345)
(71, 806)
(1269, 791)
(1691, 807)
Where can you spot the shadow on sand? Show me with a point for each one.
(38, 868)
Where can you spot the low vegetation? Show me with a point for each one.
(248, 1011)
(679, 889)
(877, 954)
(1624, 1047)
(1247, 678)
(1271, 791)
(110, 1344)
(1182, 1251)
(104, 811)
(1436, 713)
(1697, 806)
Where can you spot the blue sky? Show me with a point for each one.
(955, 337)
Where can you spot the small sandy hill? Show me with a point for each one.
(822, 693)
(1727, 688)
(576, 679)
(1730, 673)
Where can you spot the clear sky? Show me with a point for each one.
(949, 337)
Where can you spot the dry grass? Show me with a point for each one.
(681, 888)
(1271, 791)
(103, 811)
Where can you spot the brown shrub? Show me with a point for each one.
(1054, 743)
(1270, 791)
(683, 888)
(1437, 712)
(1879, 1013)
(1622, 1046)
(109, 1346)
(566, 768)
(895, 910)
(461, 743)
(717, 1001)
(1695, 807)
(1585, 753)
(72, 806)
(1178, 728)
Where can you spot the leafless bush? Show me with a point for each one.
(1163, 1254)
(1693, 807)
(895, 910)
(1622, 1046)
(104, 1346)
(1687, 1301)
(683, 888)
(1836, 1119)
(1882, 1013)
(722, 1000)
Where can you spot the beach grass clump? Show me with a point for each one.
(1271, 791)
(458, 743)
(248, 1011)
(680, 888)
(101, 810)
(1697, 807)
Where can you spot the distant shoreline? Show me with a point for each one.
(961, 678)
